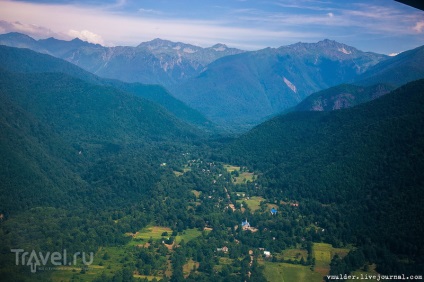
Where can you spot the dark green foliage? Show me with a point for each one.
(341, 96)
(27, 61)
(243, 90)
(77, 134)
(80, 162)
(83, 163)
(159, 95)
(357, 171)
(398, 70)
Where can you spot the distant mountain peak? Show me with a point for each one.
(322, 43)
(324, 46)
(159, 41)
(158, 45)
(76, 39)
(16, 35)
(219, 47)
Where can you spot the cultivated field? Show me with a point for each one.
(285, 272)
(323, 254)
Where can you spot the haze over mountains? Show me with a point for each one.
(155, 62)
(234, 89)
(246, 88)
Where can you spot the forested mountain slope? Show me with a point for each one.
(398, 70)
(80, 126)
(243, 89)
(378, 80)
(361, 168)
(232, 88)
(27, 61)
(342, 96)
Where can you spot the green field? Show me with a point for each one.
(294, 254)
(285, 272)
(188, 235)
(110, 265)
(358, 273)
(177, 173)
(196, 193)
(188, 267)
(155, 233)
(113, 261)
(253, 203)
(223, 261)
(150, 278)
(244, 177)
(185, 169)
(231, 168)
(323, 254)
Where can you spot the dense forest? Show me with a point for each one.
(93, 165)
(355, 168)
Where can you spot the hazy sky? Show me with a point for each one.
(383, 26)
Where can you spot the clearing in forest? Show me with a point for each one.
(285, 272)
(323, 254)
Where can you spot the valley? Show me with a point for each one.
(282, 164)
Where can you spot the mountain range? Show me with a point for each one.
(377, 81)
(246, 88)
(155, 62)
(234, 89)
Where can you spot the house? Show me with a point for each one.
(267, 254)
(223, 249)
(273, 211)
(245, 225)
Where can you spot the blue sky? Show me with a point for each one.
(382, 26)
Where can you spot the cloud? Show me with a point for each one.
(150, 11)
(243, 26)
(32, 30)
(419, 26)
(86, 35)
(131, 29)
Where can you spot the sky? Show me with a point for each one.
(382, 26)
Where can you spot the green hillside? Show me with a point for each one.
(358, 171)
(398, 70)
(89, 165)
(342, 96)
(70, 133)
(27, 61)
(240, 91)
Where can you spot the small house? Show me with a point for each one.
(267, 254)
(223, 249)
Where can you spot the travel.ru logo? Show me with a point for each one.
(34, 259)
